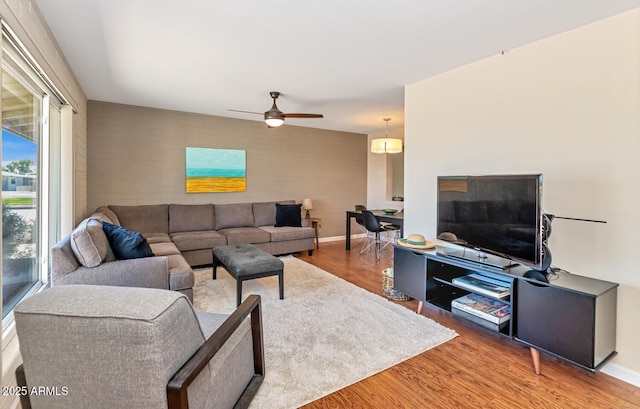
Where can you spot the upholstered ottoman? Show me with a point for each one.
(246, 262)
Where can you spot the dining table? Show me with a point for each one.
(394, 218)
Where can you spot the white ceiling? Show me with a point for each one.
(346, 59)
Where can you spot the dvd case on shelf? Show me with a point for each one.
(480, 321)
(486, 308)
(483, 285)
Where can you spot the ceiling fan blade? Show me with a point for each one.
(246, 112)
(303, 115)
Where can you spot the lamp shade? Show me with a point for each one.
(307, 204)
(386, 145)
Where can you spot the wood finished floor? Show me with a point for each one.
(477, 369)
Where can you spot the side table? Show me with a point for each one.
(315, 223)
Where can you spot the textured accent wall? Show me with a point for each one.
(136, 155)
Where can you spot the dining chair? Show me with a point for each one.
(372, 224)
(368, 236)
(393, 229)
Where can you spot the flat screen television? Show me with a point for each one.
(498, 215)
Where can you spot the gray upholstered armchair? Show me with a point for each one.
(120, 347)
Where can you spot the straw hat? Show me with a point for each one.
(416, 241)
(450, 237)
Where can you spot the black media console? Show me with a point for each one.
(571, 317)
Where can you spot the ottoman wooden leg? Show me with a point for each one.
(281, 283)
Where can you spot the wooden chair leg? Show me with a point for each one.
(25, 401)
(420, 306)
(535, 356)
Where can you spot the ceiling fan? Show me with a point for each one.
(274, 117)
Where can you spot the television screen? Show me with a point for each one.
(496, 214)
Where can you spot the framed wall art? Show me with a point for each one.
(216, 170)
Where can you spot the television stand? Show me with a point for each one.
(570, 317)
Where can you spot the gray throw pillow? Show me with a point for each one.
(89, 243)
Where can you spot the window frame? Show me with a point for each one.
(16, 60)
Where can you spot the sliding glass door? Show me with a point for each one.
(31, 174)
(21, 149)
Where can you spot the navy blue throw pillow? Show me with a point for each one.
(126, 244)
(288, 215)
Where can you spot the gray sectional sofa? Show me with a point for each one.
(181, 236)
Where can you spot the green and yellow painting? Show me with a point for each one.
(216, 170)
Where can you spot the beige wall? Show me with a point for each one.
(137, 156)
(25, 20)
(567, 106)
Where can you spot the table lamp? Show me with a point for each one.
(307, 205)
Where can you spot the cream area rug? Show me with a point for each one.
(325, 335)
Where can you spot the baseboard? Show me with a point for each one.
(621, 373)
(338, 238)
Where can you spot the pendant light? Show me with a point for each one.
(386, 144)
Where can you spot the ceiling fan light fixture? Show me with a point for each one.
(273, 118)
(274, 122)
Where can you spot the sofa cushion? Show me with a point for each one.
(288, 215)
(190, 218)
(109, 214)
(245, 235)
(264, 213)
(197, 240)
(143, 218)
(233, 215)
(289, 233)
(101, 217)
(126, 244)
(157, 238)
(89, 243)
(210, 322)
(164, 249)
